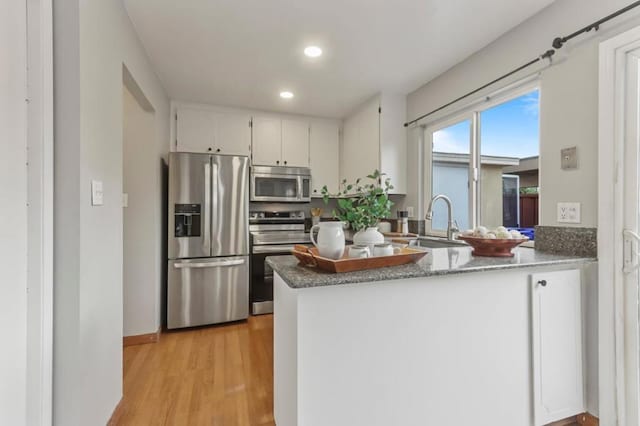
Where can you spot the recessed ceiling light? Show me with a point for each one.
(312, 51)
(286, 95)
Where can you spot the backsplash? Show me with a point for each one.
(567, 240)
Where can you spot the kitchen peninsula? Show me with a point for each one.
(451, 340)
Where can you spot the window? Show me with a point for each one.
(486, 162)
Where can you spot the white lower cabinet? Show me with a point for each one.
(558, 388)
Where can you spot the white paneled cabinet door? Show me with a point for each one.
(267, 141)
(195, 130)
(324, 157)
(295, 143)
(232, 133)
(557, 346)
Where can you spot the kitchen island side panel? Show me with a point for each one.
(440, 350)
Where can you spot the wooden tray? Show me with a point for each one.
(310, 257)
(492, 248)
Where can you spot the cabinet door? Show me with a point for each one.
(232, 133)
(324, 158)
(267, 141)
(557, 345)
(195, 130)
(295, 143)
(361, 149)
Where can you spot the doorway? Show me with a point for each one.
(619, 230)
(141, 209)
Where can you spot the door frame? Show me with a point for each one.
(39, 70)
(613, 381)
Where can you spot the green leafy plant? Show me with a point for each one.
(362, 204)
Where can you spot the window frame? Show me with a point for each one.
(471, 113)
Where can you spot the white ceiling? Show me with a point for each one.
(244, 52)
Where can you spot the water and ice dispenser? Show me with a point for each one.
(188, 220)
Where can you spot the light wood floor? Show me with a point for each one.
(219, 376)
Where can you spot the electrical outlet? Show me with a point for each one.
(569, 212)
(410, 211)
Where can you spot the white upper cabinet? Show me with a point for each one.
(278, 142)
(232, 133)
(324, 157)
(204, 130)
(195, 130)
(267, 141)
(295, 143)
(557, 346)
(375, 139)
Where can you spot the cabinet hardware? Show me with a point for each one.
(218, 150)
(543, 283)
(209, 149)
(285, 163)
(278, 162)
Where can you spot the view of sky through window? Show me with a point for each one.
(510, 129)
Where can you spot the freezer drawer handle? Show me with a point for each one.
(219, 264)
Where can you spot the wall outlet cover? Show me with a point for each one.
(410, 211)
(569, 213)
(97, 194)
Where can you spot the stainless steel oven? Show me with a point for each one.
(281, 184)
(272, 234)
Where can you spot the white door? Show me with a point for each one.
(232, 133)
(295, 143)
(267, 141)
(195, 130)
(631, 243)
(557, 346)
(324, 157)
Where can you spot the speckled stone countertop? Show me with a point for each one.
(440, 261)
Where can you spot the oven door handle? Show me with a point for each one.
(273, 249)
(218, 264)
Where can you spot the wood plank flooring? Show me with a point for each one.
(216, 376)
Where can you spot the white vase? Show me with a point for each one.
(369, 237)
(330, 241)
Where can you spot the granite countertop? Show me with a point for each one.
(440, 261)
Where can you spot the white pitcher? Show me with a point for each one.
(330, 241)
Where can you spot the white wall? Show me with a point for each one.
(141, 263)
(92, 41)
(569, 115)
(568, 101)
(13, 212)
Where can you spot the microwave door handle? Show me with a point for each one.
(206, 238)
(300, 186)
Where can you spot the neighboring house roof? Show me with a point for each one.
(490, 160)
(528, 164)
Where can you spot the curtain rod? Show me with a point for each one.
(557, 44)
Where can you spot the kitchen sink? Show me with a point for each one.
(433, 242)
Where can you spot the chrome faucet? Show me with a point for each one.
(452, 226)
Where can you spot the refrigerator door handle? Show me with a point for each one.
(215, 207)
(206, 240)
(218, 264)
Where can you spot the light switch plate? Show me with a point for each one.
(569, 213)
(569, 160)
(97, 196)
(410, 211)
(125, 199)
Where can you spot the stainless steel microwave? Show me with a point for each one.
(280, 184)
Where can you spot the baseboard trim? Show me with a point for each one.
(117, 412)
(587, 419)
(141, 339)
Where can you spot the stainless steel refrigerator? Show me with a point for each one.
(208, 266)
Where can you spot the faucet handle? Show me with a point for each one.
(455, 227)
